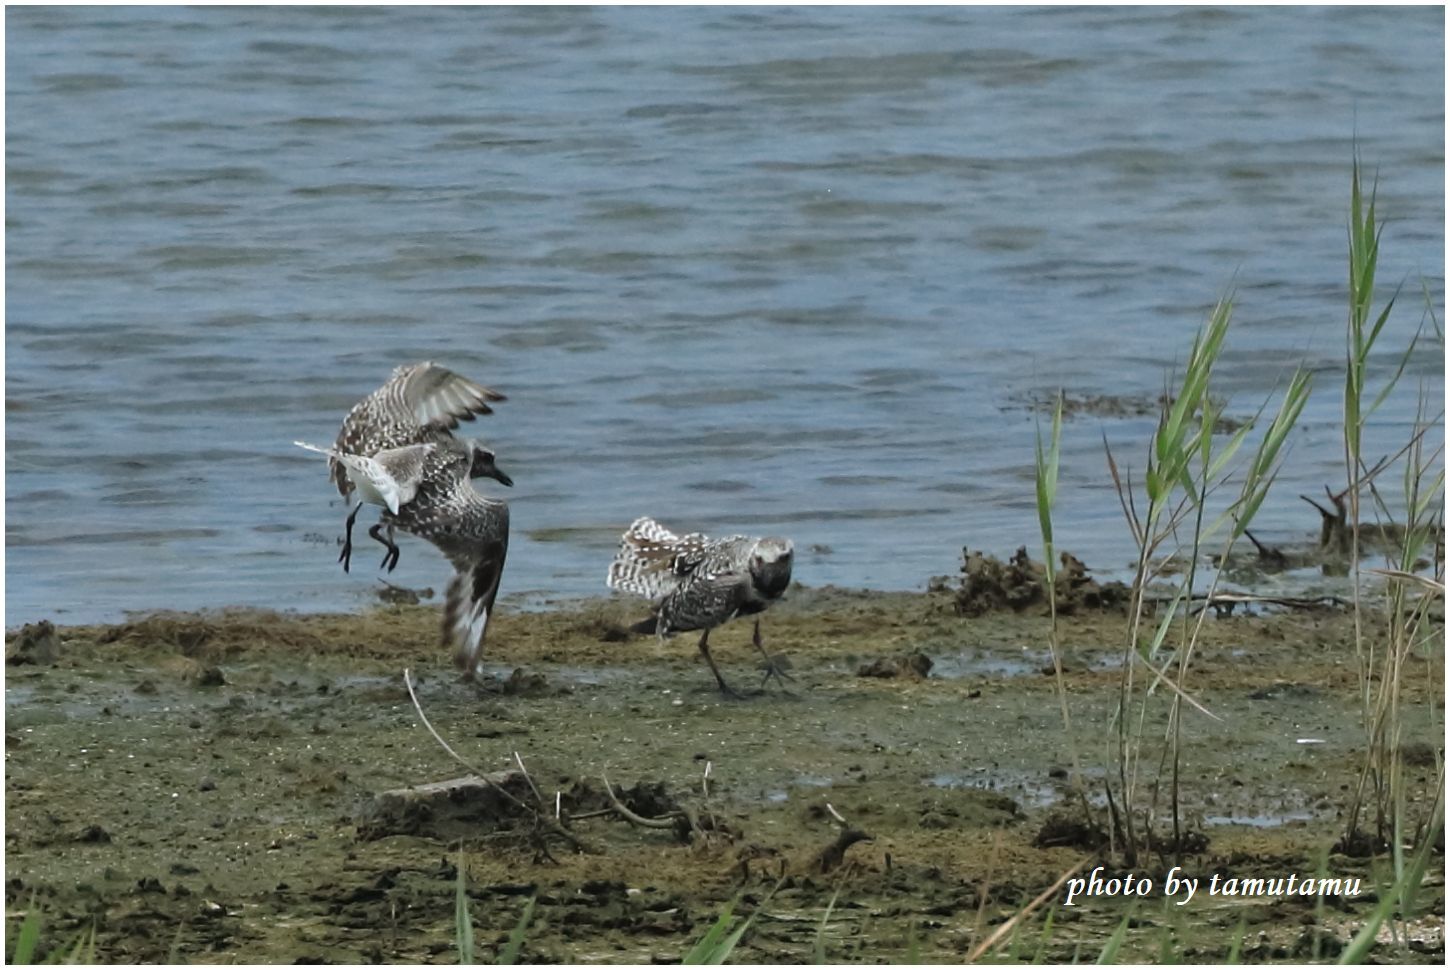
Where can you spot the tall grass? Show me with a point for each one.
(1385, 657)
(1186, 465)
(1047, 460)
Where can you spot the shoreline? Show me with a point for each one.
(228, 757)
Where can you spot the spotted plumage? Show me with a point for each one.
(396, 449)
(420, 404)
(698, 583)
(472, 530)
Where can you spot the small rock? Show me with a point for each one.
(206, 784)
(146, 687)
(210, 677)
(93, 834)
(150, 884)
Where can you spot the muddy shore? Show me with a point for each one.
(201, 785)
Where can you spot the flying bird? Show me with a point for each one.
(420, 404)
(397, 450)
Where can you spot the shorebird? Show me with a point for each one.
(420, 404)
(472, 530)
(698, 583)
(388, 478)
(396, 449)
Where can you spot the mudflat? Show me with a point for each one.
(204, 786)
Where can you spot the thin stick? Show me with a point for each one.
(1026, 911)
(597, 813)
(408, 681)
(543, 820)
(835, 814)
(705, 781)
(537, 797)
(667, 822)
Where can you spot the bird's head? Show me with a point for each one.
(483, 464)
(770, 564)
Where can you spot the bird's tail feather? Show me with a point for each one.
(643, 563)
(329, 452)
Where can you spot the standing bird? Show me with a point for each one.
(698, 583)
(420, 404)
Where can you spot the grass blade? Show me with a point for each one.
(709, 944)
(462, 919)
(83, 950)
(510, 953)
(818, 949)
(28, 936)
(1236, 948)
(1115, 942)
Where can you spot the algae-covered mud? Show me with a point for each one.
(204, 787)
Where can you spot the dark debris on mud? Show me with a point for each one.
(1020, 584)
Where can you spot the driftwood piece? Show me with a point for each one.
(456, 808)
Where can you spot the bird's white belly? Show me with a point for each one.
(367, 490)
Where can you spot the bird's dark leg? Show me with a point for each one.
(725, 688)
(345, 557)
(776, 665)
(390, 558)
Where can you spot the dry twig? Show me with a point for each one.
(664, 822)
(543, 821)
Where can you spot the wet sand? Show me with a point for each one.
(199, 785)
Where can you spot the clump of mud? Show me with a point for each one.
(910, 666)
(1059, 830)
(211, 637)
(36, 643)
(988, 584)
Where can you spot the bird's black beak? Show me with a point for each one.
(483, 467)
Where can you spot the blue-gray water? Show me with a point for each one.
(790, 271)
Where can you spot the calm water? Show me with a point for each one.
(742, 269)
